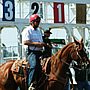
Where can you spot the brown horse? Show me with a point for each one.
(55, 78)
(9, 80)
(59, 64)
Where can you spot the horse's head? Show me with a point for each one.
(79, 52)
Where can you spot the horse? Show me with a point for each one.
(9, 80)
(55, 76)
(59, 63)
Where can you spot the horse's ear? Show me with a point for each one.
(75, 41)
(82, 39)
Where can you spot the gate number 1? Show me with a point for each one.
(58, 12)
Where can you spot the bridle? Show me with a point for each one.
(75, 49)
(75, 46)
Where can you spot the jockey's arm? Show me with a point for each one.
(37, 44)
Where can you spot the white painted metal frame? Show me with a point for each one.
(20, 23)
(65, 1)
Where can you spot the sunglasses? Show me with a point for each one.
(37, 21)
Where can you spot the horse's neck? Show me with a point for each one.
(59, 68)
(64, 54)
(66, 57)
(62, 61)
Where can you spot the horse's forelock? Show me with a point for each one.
(82, 39)
(80, 45)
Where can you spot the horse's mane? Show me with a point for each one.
(59, 53)
(56, 57)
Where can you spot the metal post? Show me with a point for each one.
(45, 12)
(20, 7)
(30, 9)
(12, 52)
(68, 12)
(2, 55)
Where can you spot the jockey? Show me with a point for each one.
(48, 47)
(33, 43)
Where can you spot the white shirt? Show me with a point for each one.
(29, 34)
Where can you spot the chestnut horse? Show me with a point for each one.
(9, 80)
(55, 77)
(59, 64)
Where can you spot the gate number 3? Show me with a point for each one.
(9, 14)
(8, 10)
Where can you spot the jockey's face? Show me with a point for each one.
(47, 34)
(36, 24)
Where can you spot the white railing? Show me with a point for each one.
(12, 53)
(9, 53)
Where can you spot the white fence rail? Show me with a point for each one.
(11, 53)
(8, 53)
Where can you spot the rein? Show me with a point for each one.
(53, 78)
(57, 78)
(71, 66)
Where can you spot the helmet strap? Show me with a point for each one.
(33, 22)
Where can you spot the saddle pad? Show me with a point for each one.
(19, 64)
(15, 67)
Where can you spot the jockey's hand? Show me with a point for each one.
(44, 69)
(40, 44)
(72, 87)
(55, 44)
(48, 45)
